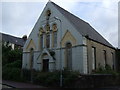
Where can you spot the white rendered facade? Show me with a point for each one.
(66, 34)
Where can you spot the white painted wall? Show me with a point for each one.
(77, 57)
(77, 52)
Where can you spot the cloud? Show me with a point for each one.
(103, 16)
(18, 18)
(113, 37)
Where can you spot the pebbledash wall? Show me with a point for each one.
(81, 46)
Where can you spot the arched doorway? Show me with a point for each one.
(45, 64)
(69, 56)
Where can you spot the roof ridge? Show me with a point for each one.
(10, 35)
(12, 39)
(83, 27)
(69, 12)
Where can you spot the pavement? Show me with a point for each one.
(29, 86)
(14, 84)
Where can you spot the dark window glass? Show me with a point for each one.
(112, 60)
(45, 65)
(93, 58)
(41, 42)
(69, 55)
(55, 39)
(48, 41)
(105, 58)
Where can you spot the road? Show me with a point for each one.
(12, 84)
(5, 86)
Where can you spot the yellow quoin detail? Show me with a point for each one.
(30, 45)
(68, 37)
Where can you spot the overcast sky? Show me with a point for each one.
(19, 17)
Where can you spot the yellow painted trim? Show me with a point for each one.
(31, 45)
(54, 27)
(47, 32)
(68, 37)
(41, 33)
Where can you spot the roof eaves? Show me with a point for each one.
(63, 11)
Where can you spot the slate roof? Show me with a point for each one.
(12, 39)
(83, 27)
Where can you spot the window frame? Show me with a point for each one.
(41, 41)
(48, 40)
(68, 51)
(105, 57)
(94, 63)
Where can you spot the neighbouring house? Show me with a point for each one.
(59, 39)
(14, 42)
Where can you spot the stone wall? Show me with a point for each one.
(97, 80)
(100, 55)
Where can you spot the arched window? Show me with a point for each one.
(93, 58)
(47, 35)
(69, 56)
(48, 40)
(113, 65)
(48, 13)
(41, 42)
(104, 57)
(54, 27)
(47, 27)
(41, 38)
(55, 39)
(31, 58)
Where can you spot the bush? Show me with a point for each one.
(9, 55)
(14, 55)
(46, 78)
(15, 64)
(26, 74)
(11, 74)
(69, 77)
(53, 78)
(12, 71)
(106, 70)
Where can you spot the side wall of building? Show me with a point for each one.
(99, 55)
(67, 34)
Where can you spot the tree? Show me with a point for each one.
(9, 55)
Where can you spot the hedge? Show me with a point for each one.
(53, 78)
(12, 71)
(11, 74)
